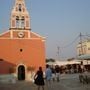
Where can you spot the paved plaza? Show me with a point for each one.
(67, 82)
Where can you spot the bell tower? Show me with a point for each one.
(20, 19)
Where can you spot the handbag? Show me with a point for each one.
(36, 80)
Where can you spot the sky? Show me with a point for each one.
(60, 21)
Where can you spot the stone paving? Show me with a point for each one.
(67, 82)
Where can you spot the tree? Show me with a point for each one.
(50, 60)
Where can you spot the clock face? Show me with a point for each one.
(21, 34)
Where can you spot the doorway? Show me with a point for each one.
(21, 72)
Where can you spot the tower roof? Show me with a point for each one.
(20, 1)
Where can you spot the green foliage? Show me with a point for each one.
(50, 60)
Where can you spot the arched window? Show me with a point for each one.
(20, 7)
(17, 22)
(22, 22)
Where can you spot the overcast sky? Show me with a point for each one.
(60, 21)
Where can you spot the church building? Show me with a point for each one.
(21, 50)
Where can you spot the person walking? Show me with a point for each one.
(53, 73)
(81, 74)
(57, 69)
(39, 79)
(48, 74)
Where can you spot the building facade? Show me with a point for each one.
(83, 49)
(21, 50)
